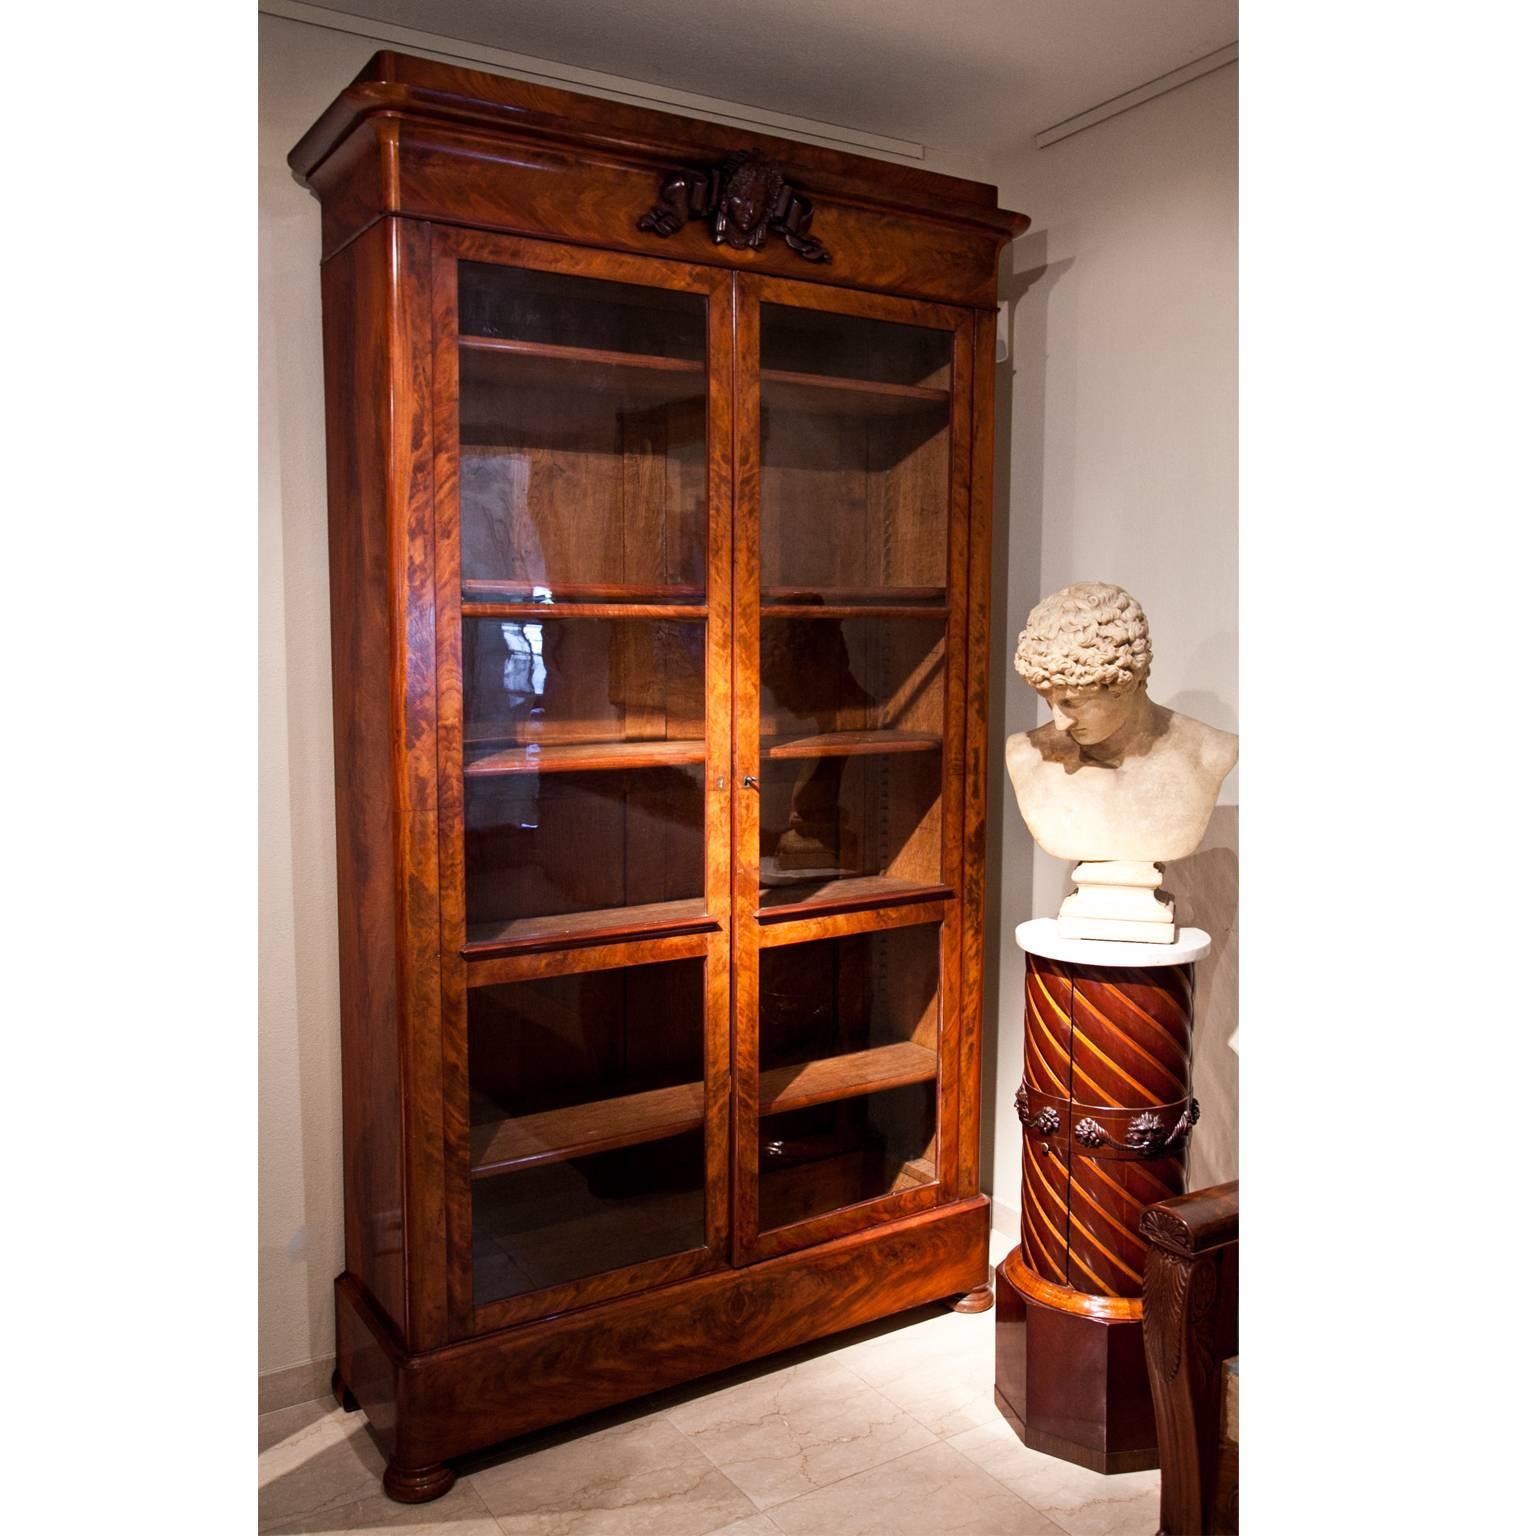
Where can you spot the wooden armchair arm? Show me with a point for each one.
(1190, 1328)
(1191, 1224)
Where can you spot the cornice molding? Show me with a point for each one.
(1143, 93)
(591, 82)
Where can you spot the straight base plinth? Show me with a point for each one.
(1072, 1373)
(427, 1407)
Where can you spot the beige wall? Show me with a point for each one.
(1119, 464)
(1121, 392)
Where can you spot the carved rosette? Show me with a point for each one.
(1047, 1120)
(1148, 1135)
(743, 200)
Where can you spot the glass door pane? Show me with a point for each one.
(855, 455)
(851, 732)
(583, 625)
(853, 577)
(583, 772)
(848, 1063)
(584, 536)
(582, 474)
(587, 1107)
(853, 449)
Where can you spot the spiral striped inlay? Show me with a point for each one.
(1109, 1040)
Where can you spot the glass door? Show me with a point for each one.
(583, 506)
(853, 453)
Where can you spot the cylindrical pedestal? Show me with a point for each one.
(1107, 1112)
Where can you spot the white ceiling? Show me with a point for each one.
(967, 76)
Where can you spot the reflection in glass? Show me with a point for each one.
(844, 818)
(583, 767)
(813, 1161)
(552, 308)
(852, 729)
(582, 474)
(543, 844)
(855, 459)
(564, 1221)
(817, 341)
(557, 682)
(857, 993)
(550, 1044)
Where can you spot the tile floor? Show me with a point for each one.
(884, 1431)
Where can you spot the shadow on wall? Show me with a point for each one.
(1205, 892)
(1021, 883)
(1207, 706)
(1018, 476)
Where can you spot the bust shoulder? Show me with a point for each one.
(1215, 750)
(1033, 749)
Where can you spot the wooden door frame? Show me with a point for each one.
(449, 246)
(959, 1018)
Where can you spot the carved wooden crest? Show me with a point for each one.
(743, 198)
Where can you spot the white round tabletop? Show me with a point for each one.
(1040, 936)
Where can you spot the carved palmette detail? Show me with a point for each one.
(1165, 1228)
(1166, 1295)
(743, 198)
(1182, 1294)
(1146, 1134)
(1047, 1121)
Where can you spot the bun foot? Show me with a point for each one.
(339, 1391)
(979, 1300)
(418, 1485)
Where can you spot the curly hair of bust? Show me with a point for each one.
(1088, 635)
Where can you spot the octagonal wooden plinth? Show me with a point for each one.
(1072, 1373)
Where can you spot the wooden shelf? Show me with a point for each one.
(582, 357)
(804, 596)
(780, 903)
(585, 757)
(548, 593)
(844, 1077)
(832, 394)
(694, 611)
(853, 611)
(914, 1174)
(848, 744)
(792, 1195)
(529, 933)
(503, 1146)
(494, 372)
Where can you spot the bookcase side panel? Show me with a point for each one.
(379, 494)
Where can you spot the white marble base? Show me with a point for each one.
(1116, 930)
(1043, 936)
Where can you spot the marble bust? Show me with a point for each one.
(1113, 782)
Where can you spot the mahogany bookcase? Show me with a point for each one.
(659, 459)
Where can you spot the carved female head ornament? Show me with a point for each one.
(748, 200)
(743, 198)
